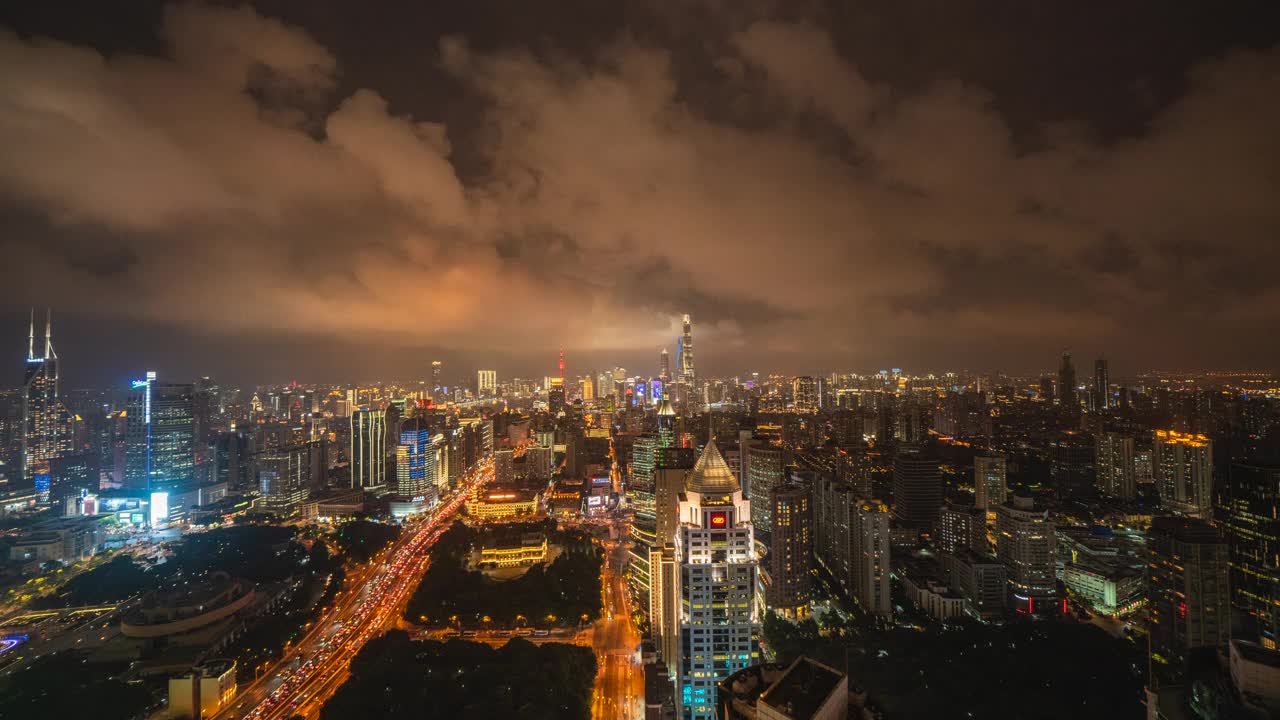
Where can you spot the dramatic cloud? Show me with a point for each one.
(231, 185)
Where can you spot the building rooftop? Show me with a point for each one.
(711, 474)
(803, 689)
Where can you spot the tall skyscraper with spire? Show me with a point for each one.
(40, 406)
(664, 367)
(719, 629)
(686, 353)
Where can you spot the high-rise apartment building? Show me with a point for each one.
(1183, 467)
(1252, 527)
(917, 490)
(1187, 599)
(990, 481)
(790, 548)
(486, 383)
(1117, 474)
(962, 526)
(40, 405)
(870, 557)
(719, 628)
(1072, 458)
(368, 457)
(804, 394)
(764, 472)
(1025, 545)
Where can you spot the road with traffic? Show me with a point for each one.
(619, 687)
(313, 669)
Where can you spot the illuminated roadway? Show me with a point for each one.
(311, 670)
(619, 687)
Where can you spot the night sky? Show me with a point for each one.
(334, 191)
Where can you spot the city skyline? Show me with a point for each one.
(661, 359)
(812, 197)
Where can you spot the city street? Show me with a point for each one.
(374, 597)
(619, 687)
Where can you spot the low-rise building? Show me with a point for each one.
(62, 540)
(215, 681)
(1111, 590)
(805, 689)
(933, 596)
(505, 504)
(530, 549)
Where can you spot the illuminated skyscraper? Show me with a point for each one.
(1252, 527)
(415, 460)
(664, 366)
(1025, 545)
(764, 472)
(790, 547)
(1100, 399)
(368, 456)
(437, 390)
(40, 406)
(1183, 467)
(990, 481)
(686, 353)
(1116, 467)
(160, 436)
(869, 538)
(804, 393)
(1188, 603)
(486, 383)
(719, 628)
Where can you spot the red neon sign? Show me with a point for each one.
(719, 520)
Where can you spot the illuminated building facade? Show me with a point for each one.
(416, 462)
(687, 375)
(869, 537)
(1025, 545)
(790, 547)
(503, 504)
(990, 481)
(1183, 467)
(1117, 471)
(486, 383)
(719, 628)
(160, 436)
(40, 406)
(764, 472)
(1252, 527)
(368, 456)
(804, 394)
(1188, 602)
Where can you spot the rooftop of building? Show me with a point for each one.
(1257, 654)
(711, 474)
(803, 688)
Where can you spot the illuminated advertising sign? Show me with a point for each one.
(595, 500)
(718, 519)
(656, 389)
(159, 508)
